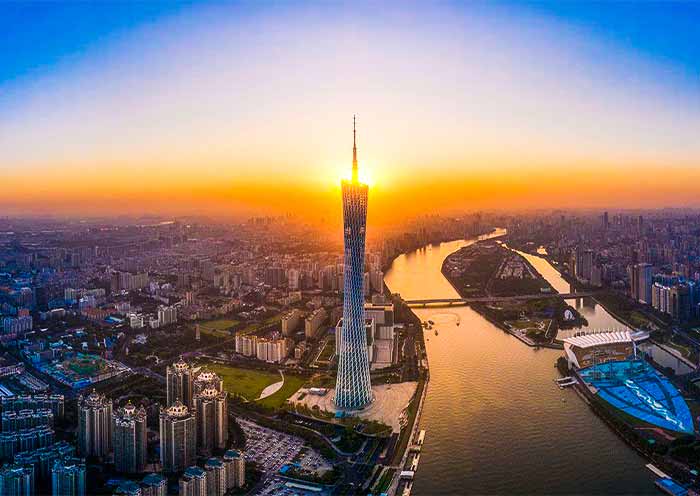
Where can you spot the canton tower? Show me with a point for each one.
(353, 389)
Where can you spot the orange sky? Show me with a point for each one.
(216, 114)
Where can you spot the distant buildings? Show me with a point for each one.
(178, 437)
(126, 281)
(246, 345)
(678, 299)
(291, 321)
(129, 439)
(17, 325)
(53, 402)
(10, 365)
(272, 350)
(313, 323)
(166, 315)
(265, 349)
(179, 378)
(641, 279)
(94, 425)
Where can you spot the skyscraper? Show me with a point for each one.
(154, 485)
(178, 438)
(207, 380)
(179, 383)
(353, 389)
(211, 412)
(129, 439)
(16, 479)
(94, 425)
(68, 477)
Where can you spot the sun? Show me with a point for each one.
(366, 174)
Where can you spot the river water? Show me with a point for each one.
(496, 423)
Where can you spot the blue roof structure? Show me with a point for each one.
(669, 486)
(637, 389)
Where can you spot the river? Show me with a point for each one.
(496, 423)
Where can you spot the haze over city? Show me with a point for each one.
(349, 248)
(233, 108)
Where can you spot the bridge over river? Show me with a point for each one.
(440, 302)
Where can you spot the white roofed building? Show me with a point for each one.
(591, 349)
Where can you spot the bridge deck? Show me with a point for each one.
(488, 299)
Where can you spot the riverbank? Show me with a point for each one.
(485, 390)
(654, 444)
(493, 270)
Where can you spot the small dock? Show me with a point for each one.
(566, 382)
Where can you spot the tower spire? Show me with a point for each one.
(354, 152)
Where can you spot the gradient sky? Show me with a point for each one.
(233, 108)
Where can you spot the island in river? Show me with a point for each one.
(490, 269)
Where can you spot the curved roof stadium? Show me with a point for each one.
(637, 389)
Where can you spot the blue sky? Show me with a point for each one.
(37, 35)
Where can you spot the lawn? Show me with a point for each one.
(328, 351)
(218, 327)
(250, 383)
(292, 383)
(244, 382)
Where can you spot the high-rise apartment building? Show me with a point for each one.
(179, 378)
(193, 482)
(94, 425)
(313, 323)
(642, 280)
(235, 469)
(211, 412)
(207, 380)
(178, 437)
(17, 480)
(166, 315)
(154, 485)
(68, 477)
(129, 439)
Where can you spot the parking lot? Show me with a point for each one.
(271, 450)
(277, 486)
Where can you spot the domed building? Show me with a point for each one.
(178, 437)
(94, 425)
(129, 439)
(179, 377)
(210, 409)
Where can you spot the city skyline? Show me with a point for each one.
(233, 109)
(202, 295)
